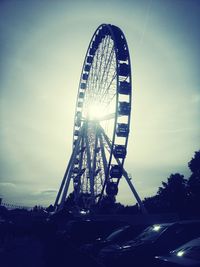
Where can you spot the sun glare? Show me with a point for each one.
(95, 112)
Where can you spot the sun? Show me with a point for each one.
(95, 112)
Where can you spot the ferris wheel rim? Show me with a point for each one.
(111, 31)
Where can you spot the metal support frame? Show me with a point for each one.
(91, 177)
(66, 178)
(94, 159)
(125, 174)
(105, 164)
(80, 167)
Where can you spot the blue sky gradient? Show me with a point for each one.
(43, 45)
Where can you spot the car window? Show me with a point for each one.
(116, 234)
(152, 232)
(192, 252)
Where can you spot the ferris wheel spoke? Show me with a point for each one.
(104, 96)
(107, 74)
(97, 69)
(99, 72)
(103, 50)
(107, 117)
(93, 77)
(108, 60)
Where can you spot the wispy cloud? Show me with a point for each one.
(7, 185)
(48, 192)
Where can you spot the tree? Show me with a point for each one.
(173, 193)
(194, 164)
(194, 183)
(194, 180)
(154, 204)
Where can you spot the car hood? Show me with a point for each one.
(136, 243)
(125, 246)
(179, 260)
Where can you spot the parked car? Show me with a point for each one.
(155, 240)
(186, 255)
(118, 237)
(84, 231)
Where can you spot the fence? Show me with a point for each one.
(14, 206)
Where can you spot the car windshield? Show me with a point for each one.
(191, 252)
(116, 234)
(151, 233)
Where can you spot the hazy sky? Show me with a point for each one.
(43, 45)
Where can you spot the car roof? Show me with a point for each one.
(192, 243)
(183, 222)
(188, 221)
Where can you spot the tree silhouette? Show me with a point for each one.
(194, 184)
(194, 180)
(174, 192)
(178, 194)
(155, 204)
(194, 164)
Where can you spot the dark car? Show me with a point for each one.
(118, 237)
(154, 240)
(81, 232)
(186, 255)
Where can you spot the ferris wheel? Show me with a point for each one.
(102, 121)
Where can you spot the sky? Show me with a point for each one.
(42, 48)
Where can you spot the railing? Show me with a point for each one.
(15, 206)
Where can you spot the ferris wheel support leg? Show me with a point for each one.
(62, 185)
(143, 209)
(76, 193)
(66, 177)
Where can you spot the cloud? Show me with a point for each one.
(5, 184)
(44, 194)
(7, 188)
(48, 192)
